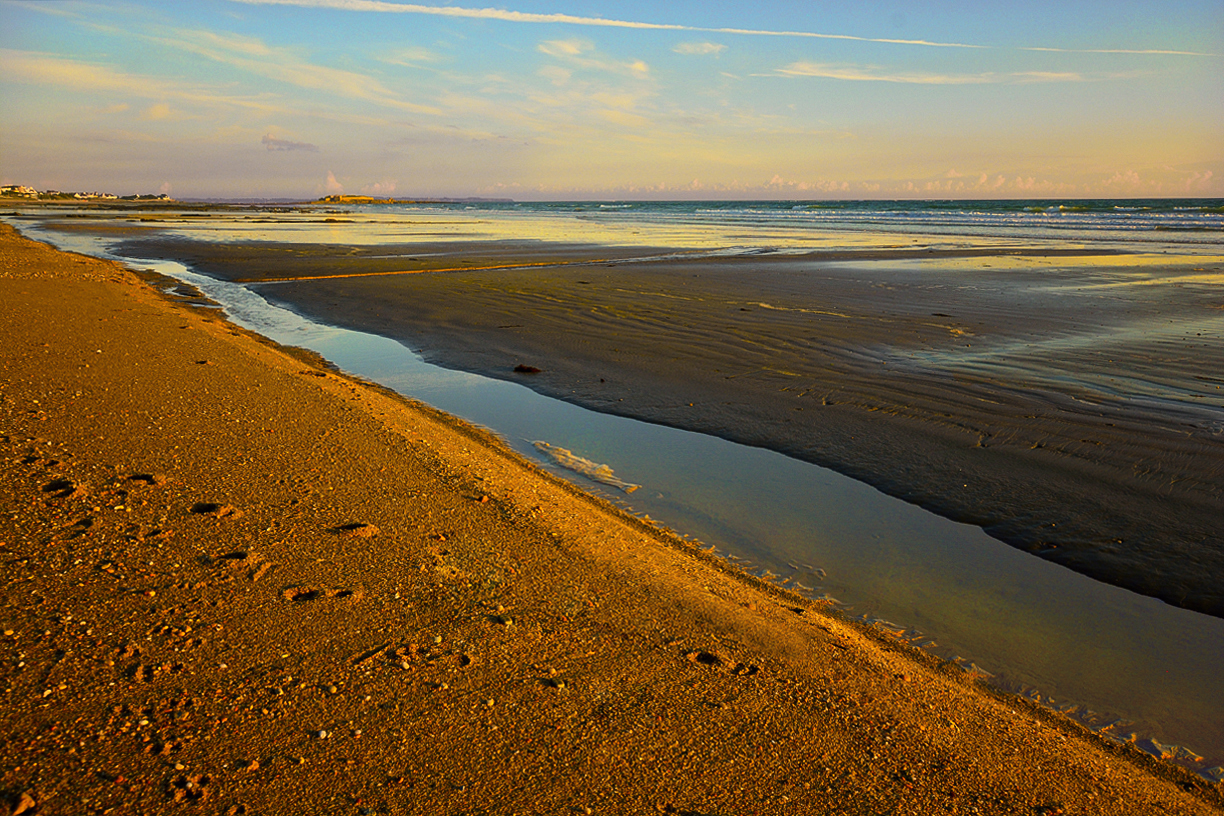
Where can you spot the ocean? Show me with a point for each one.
(1169, 221)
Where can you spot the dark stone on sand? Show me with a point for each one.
(525, 369)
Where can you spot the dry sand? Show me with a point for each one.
(236, 582)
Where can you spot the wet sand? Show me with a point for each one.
(239, 582)
(1063, 399)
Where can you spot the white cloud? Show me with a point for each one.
(274, 144)
(581, 54)
(1199, 182)
(379, 188)
(77, 75)
(1127, 178)
(877, 73)
(411, 57)
(699, 48)
(569, 19)
(159, 111)
(283, 65)
(565, 48)
(332, 186)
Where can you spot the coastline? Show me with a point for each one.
(657, 652)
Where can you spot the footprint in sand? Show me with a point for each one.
(255, 565)
(65, 489)
(304, 593)
(190, 788)
(357, 529)
(216, 510)
(150, 479)
(722, 663)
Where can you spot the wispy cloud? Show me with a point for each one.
(159, 111)
(1152, 51)
(699, 48)
(382, 6)
(876, 73)
(274, 144)
(281, 64)
(78, 75)
(581, 53)
(411, 57)
(572, 19)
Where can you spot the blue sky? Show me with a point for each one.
(300, 98)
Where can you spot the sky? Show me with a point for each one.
(565, 99)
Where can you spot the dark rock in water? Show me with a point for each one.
(525, 369)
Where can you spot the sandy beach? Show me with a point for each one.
(239, 582)
(1023, 389)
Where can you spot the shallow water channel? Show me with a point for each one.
(1123, 663)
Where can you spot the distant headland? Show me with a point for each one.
(11, 191)
(22, 191)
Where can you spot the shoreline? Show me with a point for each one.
(740, 651)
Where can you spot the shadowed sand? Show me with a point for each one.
(1061, 398)
(239, 582)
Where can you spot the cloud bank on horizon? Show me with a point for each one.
(298, 98)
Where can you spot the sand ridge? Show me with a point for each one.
(237, 582)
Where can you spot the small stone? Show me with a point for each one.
(331, 689)
(25, 803)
